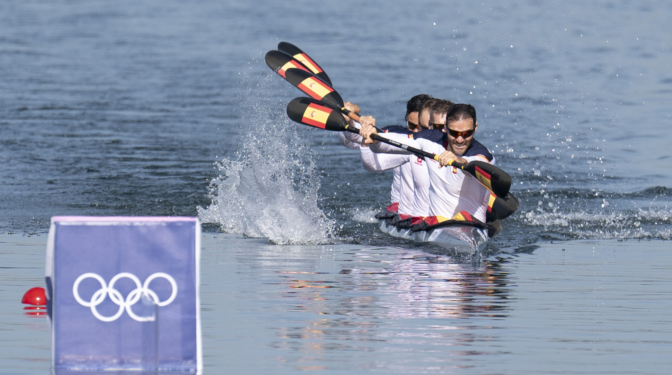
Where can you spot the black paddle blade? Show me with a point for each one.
(493, 178)
(317, 114)
(280, 62)
(303, 58)
(501, 208)
(314, 87)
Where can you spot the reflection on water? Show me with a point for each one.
(351, 309)
(35, 311)
(410, 284)
(386, 300)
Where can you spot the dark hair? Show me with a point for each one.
(441, 106)
(415, 104)
(428, 104)
(459, 112)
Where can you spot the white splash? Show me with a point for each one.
(639, 224)
(364, 215)
(270, 190)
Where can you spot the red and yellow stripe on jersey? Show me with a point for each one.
(417, 220)
(316, 115)
(484, 177)
(305, 60)
(463, 216)
(290, 65)
(433, 220)
(460, 216)
(315, 88)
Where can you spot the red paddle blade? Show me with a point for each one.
(317, 114)
(493, 178)
(314, 87)
(280, 62)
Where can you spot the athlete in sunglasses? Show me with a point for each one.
(451, 191)
(402, 195)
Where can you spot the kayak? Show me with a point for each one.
(464, 239)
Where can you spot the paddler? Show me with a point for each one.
(452, 193)
(416, 121)
(402, 192)
(432, 112)
(413, 108)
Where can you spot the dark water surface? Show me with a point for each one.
(168, 108)
(122, 108)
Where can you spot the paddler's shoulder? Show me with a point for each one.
(477, 148)
(396, 129)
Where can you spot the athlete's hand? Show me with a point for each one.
(368, 129)
(352, 108)
(448, 157)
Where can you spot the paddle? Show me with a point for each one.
(297, 74)
(280, 62)
(304, 59)
(325, 116)
(317, 89)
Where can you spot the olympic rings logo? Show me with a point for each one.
(116, 297)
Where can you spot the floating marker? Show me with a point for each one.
(35, 296)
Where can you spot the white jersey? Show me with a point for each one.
(451, 190)
(395, 189)
(350, 139)
(354, 141)
(382, 162)
(414, 200)
(420, 186)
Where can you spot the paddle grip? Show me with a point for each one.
(412, 150)
(408, 148)
(458, 165)
(355, 117)
(416, 151)
(350, 114)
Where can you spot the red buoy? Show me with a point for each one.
(35, 296)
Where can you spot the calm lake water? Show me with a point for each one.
(575, 307)
(168, 108)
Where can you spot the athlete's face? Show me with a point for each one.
(412, 122)
(424, 119)
(438, 121)
(457, 140)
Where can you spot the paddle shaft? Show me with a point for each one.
(315, 113)
(355, 117)
(408, 148)
(350, 114)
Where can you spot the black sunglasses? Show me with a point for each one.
(464, 134)
(411, 125)
(436, 126)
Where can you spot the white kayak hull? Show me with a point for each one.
(461, 238)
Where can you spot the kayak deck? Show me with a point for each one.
(461, 238)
